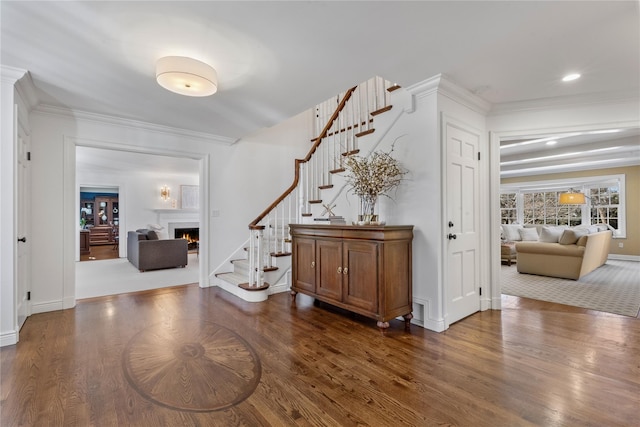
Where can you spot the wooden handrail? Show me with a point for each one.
(254, 224)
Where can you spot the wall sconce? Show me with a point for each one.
(165, 192)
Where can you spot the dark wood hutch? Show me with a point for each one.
(102, 216)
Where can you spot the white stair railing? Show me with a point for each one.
(338, 123)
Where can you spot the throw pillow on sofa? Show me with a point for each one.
(510, 232)
(571, 235)
(550, 234)
(528, 234)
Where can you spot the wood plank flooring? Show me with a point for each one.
(533, 363)
(100, 252)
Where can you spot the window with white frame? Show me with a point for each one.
(543, 208)
(537, 202)
(508, 208)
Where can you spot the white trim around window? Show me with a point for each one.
(583, 184)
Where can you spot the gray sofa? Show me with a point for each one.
(146, 252)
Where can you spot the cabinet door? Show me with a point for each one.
(361, 279)
(329, 273)
(304, 264)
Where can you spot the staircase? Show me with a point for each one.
(342, 124)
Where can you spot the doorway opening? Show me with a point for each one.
(99, 223)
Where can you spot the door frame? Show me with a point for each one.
(484, 256)
(122, 191)
(22, 207)
(495, 137)
(70, 198)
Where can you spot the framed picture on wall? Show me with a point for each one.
(189, 197)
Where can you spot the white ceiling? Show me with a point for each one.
(277, 59)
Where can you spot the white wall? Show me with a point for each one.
(140, 194)
(258, 170)
(244, 178)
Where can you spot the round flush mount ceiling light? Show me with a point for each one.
(186, 76)
(571, 77)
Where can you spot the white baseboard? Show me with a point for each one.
(44, 307)
(434, 325)
(624, 257)
(496, 303)
(68, 302)
(421, 316)
(8, 338)
(279, 288)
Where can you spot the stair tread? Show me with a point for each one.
(366, 132)
(381, 110)
(350, 153)
(233, 278)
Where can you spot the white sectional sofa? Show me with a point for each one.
(568, 253)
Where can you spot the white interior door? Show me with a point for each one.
(23, 181)
(462, 287)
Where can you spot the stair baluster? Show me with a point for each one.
(342, 119)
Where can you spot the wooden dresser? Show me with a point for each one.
(364, 269)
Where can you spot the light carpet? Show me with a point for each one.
(612, 288)
(117, 276)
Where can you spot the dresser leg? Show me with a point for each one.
(383, 326)
(293, 297)
(407, 321)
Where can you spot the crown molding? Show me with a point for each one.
(565, 101)
(133, 124)
(444, 85)
(11, 74)
(22, 81)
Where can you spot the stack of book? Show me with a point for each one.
(333, 219)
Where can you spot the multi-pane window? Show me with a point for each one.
(508, 208)
(536, 202)
(543, 208)
(605, 204)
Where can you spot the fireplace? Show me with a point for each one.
(191, 235)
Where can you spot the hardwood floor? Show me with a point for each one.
(111, 361)
(100, 252)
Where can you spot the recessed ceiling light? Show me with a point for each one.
(554, 142)
(570, 77)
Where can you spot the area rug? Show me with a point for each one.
(612, 288)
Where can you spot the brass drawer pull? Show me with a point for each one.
(339, 270)
(346, 270)
(313, 264)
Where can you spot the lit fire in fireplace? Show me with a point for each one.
(188, 238)
(191, 235)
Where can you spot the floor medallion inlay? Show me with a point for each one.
(191, 365)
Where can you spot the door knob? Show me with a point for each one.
(22, 239)
(451, 236)
(450, 224)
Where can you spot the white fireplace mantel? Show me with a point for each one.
(170, 219)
